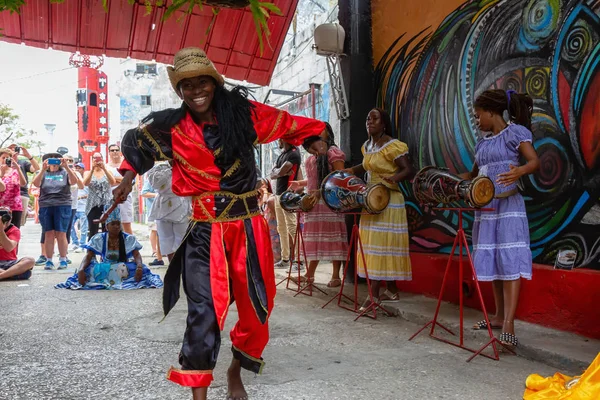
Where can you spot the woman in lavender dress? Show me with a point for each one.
(501, 237)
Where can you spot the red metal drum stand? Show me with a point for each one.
(371, 310)
(305, 288)
(461, 241)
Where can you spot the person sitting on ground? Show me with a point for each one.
(12, 268)
(121, 264)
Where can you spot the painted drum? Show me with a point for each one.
(343, 192)
(295, 202)
(434, 186)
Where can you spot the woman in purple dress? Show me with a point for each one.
(501, 237)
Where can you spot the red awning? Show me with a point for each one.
(126, 31)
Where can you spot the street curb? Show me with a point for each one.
(563, 362)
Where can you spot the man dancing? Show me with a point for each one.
(226, 254)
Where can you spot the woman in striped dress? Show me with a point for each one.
(384, 236)
(324, 233)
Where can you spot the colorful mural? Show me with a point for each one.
(547, 48)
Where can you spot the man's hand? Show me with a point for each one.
(121, 192)
(45, 164)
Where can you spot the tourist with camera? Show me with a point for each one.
(13, 178)
(55, 180)
(28, 165)
(11, 267)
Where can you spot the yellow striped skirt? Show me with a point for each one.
(385, 242)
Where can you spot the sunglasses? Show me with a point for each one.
(114, 150)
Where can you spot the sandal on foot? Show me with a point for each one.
(367, 303)
(508, 339)
(303, 279)
(334, 283)
(483, 325)
(389, 296)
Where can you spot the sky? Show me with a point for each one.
(40, 86)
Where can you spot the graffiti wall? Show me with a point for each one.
(432, 60)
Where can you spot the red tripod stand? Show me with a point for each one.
(355, 244)
(461, 241)
(308, 286)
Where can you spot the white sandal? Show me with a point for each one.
(391, 297)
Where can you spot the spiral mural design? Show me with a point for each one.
(547, 48)
(540, 21)
(578, 44)
(536, 83)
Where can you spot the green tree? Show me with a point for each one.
(11, 132)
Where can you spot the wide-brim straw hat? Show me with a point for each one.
(190, 63)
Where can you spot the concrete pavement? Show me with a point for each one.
(60, 344)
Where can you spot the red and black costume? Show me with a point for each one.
(226, 253)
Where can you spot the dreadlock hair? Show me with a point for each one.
(322, 160)
(387, 121)
(518, 105)
(233, 111)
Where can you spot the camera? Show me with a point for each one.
(17, 149)
(53, 161)
(5, 216)
(8, 162)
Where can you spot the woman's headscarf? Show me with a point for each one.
(115, 215)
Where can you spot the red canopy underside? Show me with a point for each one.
(127, 31)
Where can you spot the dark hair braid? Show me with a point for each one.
(518, 105)
(122, 251)
(233, 112)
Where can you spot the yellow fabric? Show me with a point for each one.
(385, 236)
(381, 163)
(554, 387)
(385, 243)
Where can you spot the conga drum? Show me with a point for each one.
(343, 192)
(295, 202)
(434, 186)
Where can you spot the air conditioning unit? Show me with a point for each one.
(329, 39)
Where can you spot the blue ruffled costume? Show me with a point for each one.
(95, 279)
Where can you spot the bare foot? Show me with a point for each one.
(235, 386)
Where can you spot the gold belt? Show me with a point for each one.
(240, 206)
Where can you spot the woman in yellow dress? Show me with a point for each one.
(384, 236)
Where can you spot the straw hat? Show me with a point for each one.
(190, 63)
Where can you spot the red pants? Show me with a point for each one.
(221, 263)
